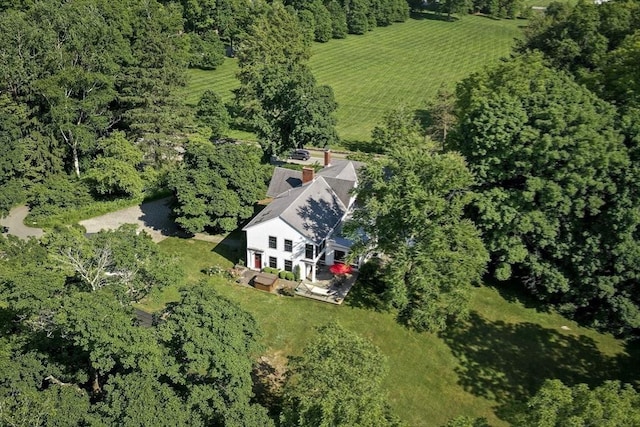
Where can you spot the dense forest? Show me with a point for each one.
(92, 89)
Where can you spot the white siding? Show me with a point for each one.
(258, 241)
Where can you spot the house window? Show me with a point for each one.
(288, 266)
(273, 262)
(339, 256)
(273, 242)
(308, 251)
(288, 245)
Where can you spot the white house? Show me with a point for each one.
(301, 227)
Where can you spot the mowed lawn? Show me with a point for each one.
(505, 351)
(403, 64)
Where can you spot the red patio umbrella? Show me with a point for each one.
(339, 268)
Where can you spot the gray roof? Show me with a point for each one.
(313, 209)
(341, 169)
(342, 188)
(283, 180)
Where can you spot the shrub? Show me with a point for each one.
(286, 291)
(296, 273)
(11, 194)
(282, 274)
(289, 276)
(215, 271)
(57, 194)
(270, 270)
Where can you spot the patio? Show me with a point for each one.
(327, 287)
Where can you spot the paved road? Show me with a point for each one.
(15, 224)
(317, 156)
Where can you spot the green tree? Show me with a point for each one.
(217, 185)
(551, 182)
(307, 22)
(441, 114)
(337, 382)
(142, 400)
(206, 51)
(106, 333)
(557, 405)
(454, 6)
(57, 193)
(13, 123)
(212, 112)
(578, 38)
(410, 208)
(278, 95)
(620, 70)
(357, 20)
(152, 111)
(338, 20)
(210, 343)
(322, 19)
(77, 87)
(114, 171)
(124, 259)
(199, 15)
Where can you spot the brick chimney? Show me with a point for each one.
(307, 174)
(327, 158)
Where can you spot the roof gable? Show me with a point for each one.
(340, 169)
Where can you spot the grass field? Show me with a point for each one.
(403, 64)
(505, 350)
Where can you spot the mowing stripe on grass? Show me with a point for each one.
(403, 64)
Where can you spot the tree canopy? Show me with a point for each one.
(337, 382)
(554, 197)
(557, 405)
(72, 351)
(217, 185)
(278, 95)
(410, 209)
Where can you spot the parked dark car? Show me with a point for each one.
(300, 154)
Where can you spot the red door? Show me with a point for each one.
(257, 261)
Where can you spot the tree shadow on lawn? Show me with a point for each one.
(363, 146)
(231, 247)
(508, 362)
(368, 291)
(423, 117)
(432, 16)
(514, 292)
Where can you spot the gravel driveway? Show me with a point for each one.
(153, 217)
(15, 224)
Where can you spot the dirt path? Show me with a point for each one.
(15, 224)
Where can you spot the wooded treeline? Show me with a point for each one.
(73, 351)
(550, 137)
(91, 91)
